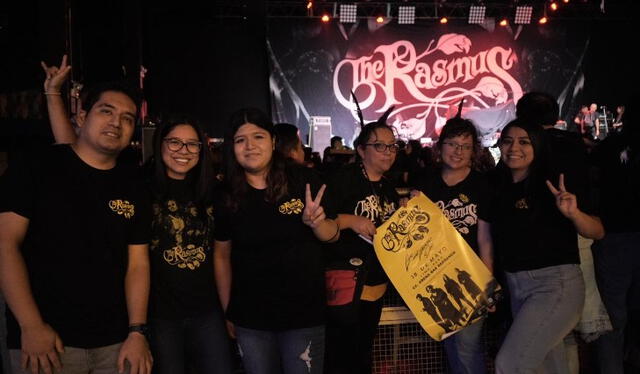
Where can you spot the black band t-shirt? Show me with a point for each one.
(81, 221)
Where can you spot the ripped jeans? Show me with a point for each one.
(298, 351)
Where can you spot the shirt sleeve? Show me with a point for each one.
(140, 230)
(221, 218)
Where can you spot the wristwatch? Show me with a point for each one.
(139, 328)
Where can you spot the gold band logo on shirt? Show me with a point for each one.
(189, 257)
(294, 206)
(522, 204)
(122, 207)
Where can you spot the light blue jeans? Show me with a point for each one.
(546, 305)
(297, 351)
(465, 351)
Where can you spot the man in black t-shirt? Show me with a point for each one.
(74, 266)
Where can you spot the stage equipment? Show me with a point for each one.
(406, 15)
(348, 13)
(476, 14)
(523, 15)
(319, 133)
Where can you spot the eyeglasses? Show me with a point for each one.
(381, 147)
(461, 147)
(176, 145)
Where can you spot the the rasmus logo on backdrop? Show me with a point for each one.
(427, 86)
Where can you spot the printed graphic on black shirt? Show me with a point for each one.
(184, 248)
(122, 207)
(371, 208)
(460, 212)
(294, 206)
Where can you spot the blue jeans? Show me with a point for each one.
(616, 260)
(297, 351)
(102, 360)
(546, 305)
(201, 342)
(465, 351)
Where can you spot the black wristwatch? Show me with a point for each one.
(139, 328)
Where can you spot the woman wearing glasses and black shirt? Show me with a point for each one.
(362, 198)
(462, 194)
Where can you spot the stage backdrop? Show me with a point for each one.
(424, 71)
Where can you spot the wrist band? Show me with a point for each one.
(53, 93)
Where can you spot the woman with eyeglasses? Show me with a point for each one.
(186, 324)
(363, 198)
(462, 193)
(535, 226)
(268, 254)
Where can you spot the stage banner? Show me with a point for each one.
(424, 71)
(437, 274)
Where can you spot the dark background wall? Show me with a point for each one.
(198, 62)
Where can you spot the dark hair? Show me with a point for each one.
(458, 127)
(286, 138)
(94, 93)
(368, 130)
(538, 108)
(335, 139)
(235, 178)
(200, 177)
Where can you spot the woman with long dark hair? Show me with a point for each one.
(187, 323)
(363, 198)
(535, 227)
(268, 254)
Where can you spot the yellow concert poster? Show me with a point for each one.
(440, 278)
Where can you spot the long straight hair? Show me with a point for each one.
(235, 178)
(200, 177)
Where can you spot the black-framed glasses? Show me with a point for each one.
(176, 145)
(381, 147)
(461, 147)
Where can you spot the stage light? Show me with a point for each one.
(476, 14)
(406, 15)
(504, 22)
(565, 1)
(443, 20)
(554, 6)
(380, 19)
(309, 5)
(543, 20)
(523, 15)
(348, 13)
(325, 18)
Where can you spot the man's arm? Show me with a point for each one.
(61, 126)
(135, 348)
(40, 343)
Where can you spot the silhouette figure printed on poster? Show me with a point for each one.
(430, 308)
(469, 285)
(446, 308)
(455, 291)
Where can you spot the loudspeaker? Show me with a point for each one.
(319, 133)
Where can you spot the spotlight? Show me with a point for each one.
(348, 13)
(309, 5)
(443, 20)
(476, 14)
(504, 22)
(325, 18)
(523, 15)
(380, 19)
(406, 15)
(565, 1)
(543, 20)
(554, 6)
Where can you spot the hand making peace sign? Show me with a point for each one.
(565, 201)
(313, 213)
(55, 76)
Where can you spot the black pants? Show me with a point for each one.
(349, 342)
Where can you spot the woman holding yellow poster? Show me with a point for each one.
(535, 234)
(463, 196)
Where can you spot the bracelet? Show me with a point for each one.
(334, 235)
(53, 93)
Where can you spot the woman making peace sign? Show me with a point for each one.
(268, 259)
(535, 235)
